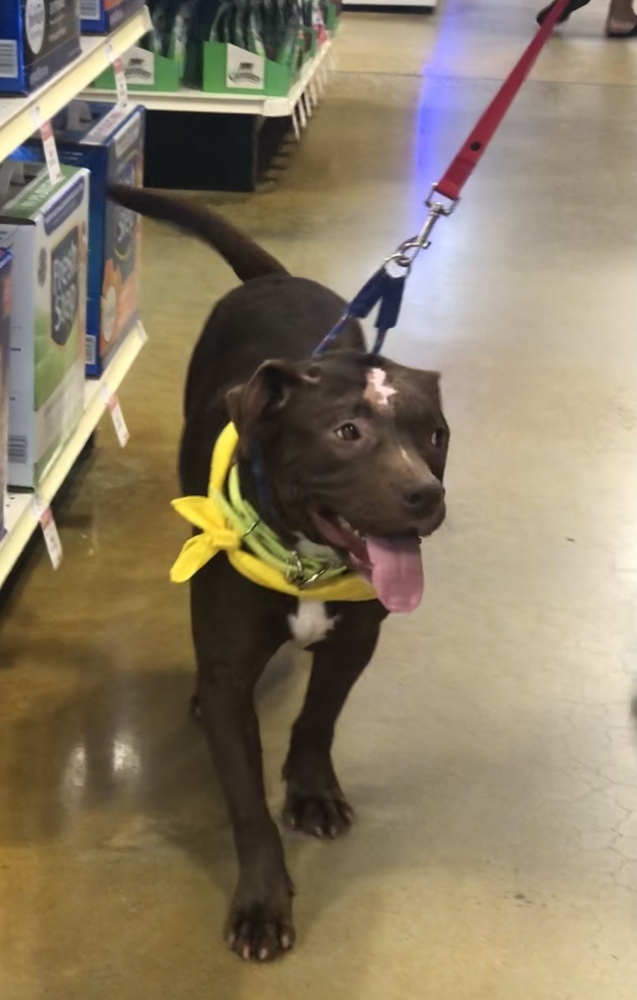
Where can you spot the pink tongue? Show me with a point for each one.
(396, 571)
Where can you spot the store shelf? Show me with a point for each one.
(20, 517)
(18, 115)
(233, 104)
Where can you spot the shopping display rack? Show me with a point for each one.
(298, 104)
(185, 129)
(19, 118)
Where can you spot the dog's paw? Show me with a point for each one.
(259, 926)
(321, 812)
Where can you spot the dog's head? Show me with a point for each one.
(354, 449)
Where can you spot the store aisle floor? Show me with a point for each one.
(489, 750)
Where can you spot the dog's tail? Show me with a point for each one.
(245, 257)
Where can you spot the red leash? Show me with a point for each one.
(387, 288)
(464, 163)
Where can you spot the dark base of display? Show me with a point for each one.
(190, 151)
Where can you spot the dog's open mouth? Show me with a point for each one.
(392, 563)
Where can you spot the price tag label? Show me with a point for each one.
(48, 145)
(121, 85)
(115, 410)
(52, 541)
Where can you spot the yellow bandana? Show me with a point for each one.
(225, 527)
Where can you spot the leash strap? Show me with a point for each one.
(464, 163)
(387, 289)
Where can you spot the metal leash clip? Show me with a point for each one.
(295, 574)
(313, 579)
(406, 253)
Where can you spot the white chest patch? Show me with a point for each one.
(311, 623)
(378, 391)
(316, 549)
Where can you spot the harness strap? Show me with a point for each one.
(381, 287)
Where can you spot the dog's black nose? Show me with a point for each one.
(424, 499)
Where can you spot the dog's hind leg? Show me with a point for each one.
(314, 801)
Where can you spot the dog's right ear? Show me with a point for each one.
(263, 396)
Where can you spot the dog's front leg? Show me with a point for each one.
(314, 801)
(259, 923)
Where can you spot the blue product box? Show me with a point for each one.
(45, 226)
(5, 340)
(109, 141)
(103, 16)
(38, 38)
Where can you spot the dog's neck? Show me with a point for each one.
(256, 488)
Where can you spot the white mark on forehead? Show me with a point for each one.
(378, 391)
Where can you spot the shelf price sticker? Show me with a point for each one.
(52, 541)
(121, 86)
(49, 146)
(114, 408)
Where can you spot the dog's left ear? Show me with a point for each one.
(263, 396)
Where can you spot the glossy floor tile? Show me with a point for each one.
(489, 750)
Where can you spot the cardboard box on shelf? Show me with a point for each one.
(38, 38)
(109, 141)
(100, 17)
(331, 13)
(147, 69)
(46, 229)
(228, 69)
(5, 334)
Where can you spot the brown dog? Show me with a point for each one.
(343, 456)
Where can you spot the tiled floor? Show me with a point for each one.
(489, 750)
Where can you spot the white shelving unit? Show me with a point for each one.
(235, 104)
(18, 116)
(20, 514)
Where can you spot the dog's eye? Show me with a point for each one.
(348, 432)
(439, 437)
